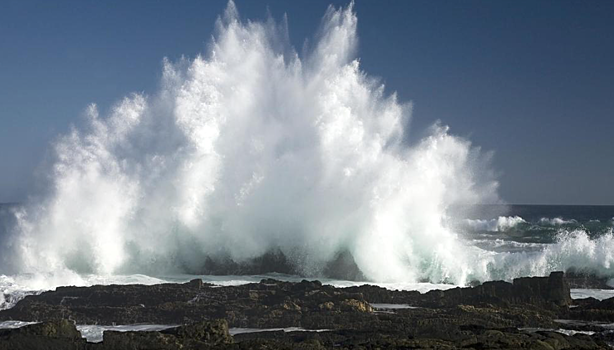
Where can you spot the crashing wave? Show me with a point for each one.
(253, 148)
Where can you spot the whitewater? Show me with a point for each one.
(252, 148)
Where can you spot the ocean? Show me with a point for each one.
(532, 227)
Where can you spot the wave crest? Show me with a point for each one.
(252, 148)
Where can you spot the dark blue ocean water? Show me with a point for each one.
(533, 213)
(531, 225)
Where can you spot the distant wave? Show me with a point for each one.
(556, 221)
(505, 245)
(572, 249)
(502, 223)
(507, 223)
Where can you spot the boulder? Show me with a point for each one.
(553, 288)
(548, 292)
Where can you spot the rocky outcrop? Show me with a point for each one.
(267, 304)
(547, 292)
(553, 289)
(593, 310)
(484, 316)
(550, 292)
(270, 303)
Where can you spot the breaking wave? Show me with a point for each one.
(252, 148)
(572, 250)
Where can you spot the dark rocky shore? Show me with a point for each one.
(494, 315)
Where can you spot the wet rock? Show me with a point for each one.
(53, 329)
(138, 341)
(195, 336)
(553, 289)
(196, 283)
(355, 305)
(273, 303)
(291, 306)
(583, 341)
(53, 335)
(555, 340)
(483, 316)
(546, 292)
(211, 333)
(326, 306)
(591, 309)
(343, 266)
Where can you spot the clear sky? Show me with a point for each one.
(532, 81)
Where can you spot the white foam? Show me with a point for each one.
(556, 221)
(94, 333)
(14, 324)
(506, 245)
(500, 224)
(235, 331)
(608, 327)
(567, 332)
(600, 294)
(393, 306)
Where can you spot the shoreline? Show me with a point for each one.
(497, 314)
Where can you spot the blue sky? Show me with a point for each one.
(532, 81)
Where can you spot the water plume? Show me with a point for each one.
(252, 148)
